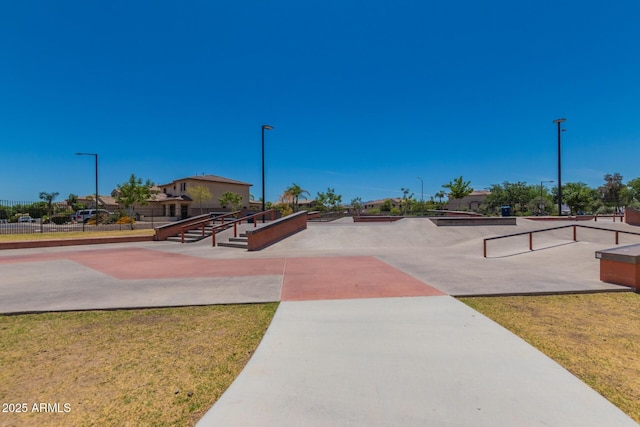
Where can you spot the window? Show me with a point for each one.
(183, 186)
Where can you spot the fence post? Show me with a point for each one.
(574, 234)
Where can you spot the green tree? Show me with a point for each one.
(134, 192)
(440, 195)
(611, 189)
(72, 201)
(356, 205)
(406, 201)
(578, 196)
(458, 188)
(199, 193)
(48, 199)
(233, 200)
(329, 201)
(632, 193)
(386, 206)
(297, 192)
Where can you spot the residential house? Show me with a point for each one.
(376, 204)
(174, 199)
(471, 202)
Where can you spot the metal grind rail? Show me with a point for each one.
(575, 236)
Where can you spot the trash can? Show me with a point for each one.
(506, 210)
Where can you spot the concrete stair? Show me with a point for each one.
(236, 242)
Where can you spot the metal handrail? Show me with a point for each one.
(203, 223)
(575, 239)
(239, 221)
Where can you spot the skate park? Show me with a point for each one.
(368, 331)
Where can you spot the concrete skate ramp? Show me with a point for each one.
(451, 258)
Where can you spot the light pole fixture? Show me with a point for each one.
(96, 157)
(540, 204)
(559, 122)
(421, 195)
(264, 127)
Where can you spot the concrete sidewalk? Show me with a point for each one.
(419, 361)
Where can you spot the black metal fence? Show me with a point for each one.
(38, 217)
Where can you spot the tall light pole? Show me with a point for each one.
(264, 127)
(540, 204)
(559, 122)
(421, 195)
(96, 157)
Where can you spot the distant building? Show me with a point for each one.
(376, 204)
(173, 200)
(471, 202)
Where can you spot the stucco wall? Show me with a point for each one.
(632, 216)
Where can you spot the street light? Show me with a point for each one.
(559, 121)
(96, 156)
(264, 127)
(421, 195)
(540, 206)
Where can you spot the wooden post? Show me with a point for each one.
(574, 234)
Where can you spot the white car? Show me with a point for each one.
(26, 218)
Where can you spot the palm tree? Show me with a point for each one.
(440, 194)
(295, 191)
(48, 198)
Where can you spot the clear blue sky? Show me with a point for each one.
(364, 96)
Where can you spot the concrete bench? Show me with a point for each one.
(620, 266)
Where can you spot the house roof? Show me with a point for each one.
(210, 178)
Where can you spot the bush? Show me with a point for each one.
(60, 219)
(126, 220)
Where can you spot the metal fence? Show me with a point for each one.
(34, 217)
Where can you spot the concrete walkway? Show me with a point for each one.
(367, 333)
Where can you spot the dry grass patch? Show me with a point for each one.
(139, 367)
(74, 235)
(596, 337)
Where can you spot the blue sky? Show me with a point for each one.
(364, 96)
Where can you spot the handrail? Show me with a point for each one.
(203, 222)
(575, 239)
(239, 221)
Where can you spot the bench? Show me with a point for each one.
(620, 266)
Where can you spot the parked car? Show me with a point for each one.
(26, 218)
(85, 215)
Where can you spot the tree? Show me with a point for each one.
(296, 192)
(386, 205)
(48, 199)
(458, 188)
(578, 196)
(611, 189)
(199, 194)
(134, 192)
(440, 195)
(356, 205)
(329, 201)
(519, 195)
(234, 200)
(72, 201)
(406, 201)
(633, 187)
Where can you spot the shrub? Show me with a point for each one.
(126, 220)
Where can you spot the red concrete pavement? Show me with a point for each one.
(316, 278)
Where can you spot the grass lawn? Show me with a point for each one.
(156, 367)
(594, 336)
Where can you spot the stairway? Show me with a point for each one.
(236, 242)
(191, 236)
